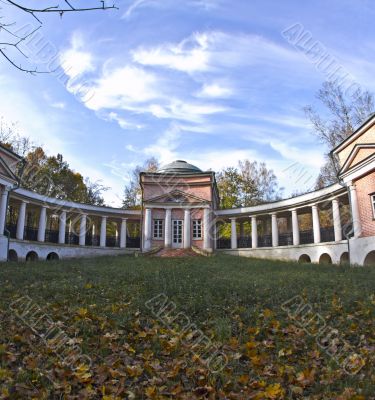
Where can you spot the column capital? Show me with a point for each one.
(233, 218)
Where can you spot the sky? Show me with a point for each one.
(207, 81)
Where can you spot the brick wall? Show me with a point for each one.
(365, 186)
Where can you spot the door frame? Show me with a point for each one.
(178, 239)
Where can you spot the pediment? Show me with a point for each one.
(6, 173)
(177, 197)
(359, 153)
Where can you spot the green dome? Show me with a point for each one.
(179, 167)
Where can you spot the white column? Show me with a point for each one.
(357, 228)
(3, 208)
(336, 220)
(206, 229)
(82, 230)
(103, 232)
(123, 233)
(42, 224)
(187, 233)
(316, 223)
(21, 221)
(147, 229)
(295, 228)
(233, 233)
(168, 228)
(62, 227)
(254, 232)
(215, 227)
(275, 230)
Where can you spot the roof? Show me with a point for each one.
(179, 167)
(357, 132)
(10, 152)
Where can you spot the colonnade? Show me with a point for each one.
(295, 225)
(62, 221)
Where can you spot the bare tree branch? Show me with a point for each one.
(6, 27)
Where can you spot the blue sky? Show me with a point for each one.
(208, 81)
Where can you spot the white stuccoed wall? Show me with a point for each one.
(314, 251)
(64, 251)
(359, 248)
(3, 248)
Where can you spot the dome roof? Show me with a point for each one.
(179, 167)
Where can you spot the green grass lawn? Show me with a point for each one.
(186, 328)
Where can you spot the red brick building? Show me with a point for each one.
(177, 207)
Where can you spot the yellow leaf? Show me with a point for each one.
(267, 313)
(151, 391)
(274, 391)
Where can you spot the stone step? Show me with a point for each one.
(176, 253)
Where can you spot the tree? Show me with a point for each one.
(132, 192)
(52, 177)
(249, 184)
(342, 115)
(11, 39)
(49, 175)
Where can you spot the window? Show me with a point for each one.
(158, 229)
(197, 229)
(373, 204)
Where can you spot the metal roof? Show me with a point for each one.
(179, 167)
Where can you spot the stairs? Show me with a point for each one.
(169, 253)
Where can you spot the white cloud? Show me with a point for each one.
(60, 105)
(188, 56)
(123, 88)
(214, 50)
(215, 90)
(138, 4)
(185, 111)
(164, 147)
(75, 61)
(124, 124)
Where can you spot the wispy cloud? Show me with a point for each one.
(215, 90)
(74, 60)
(139, 4)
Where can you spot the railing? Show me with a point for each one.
(12, 229)
(92, 240)
(244, 242)
(71, 238)
(133, 242)
(327, 234)
(52, 236)
(286, 239)
(223, 243)
(112, 241)
(347, 231)
(306, 237)
(265, 241)
(31, 233)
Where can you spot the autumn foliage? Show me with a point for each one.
(132, 351)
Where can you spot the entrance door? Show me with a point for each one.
(177, 233)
